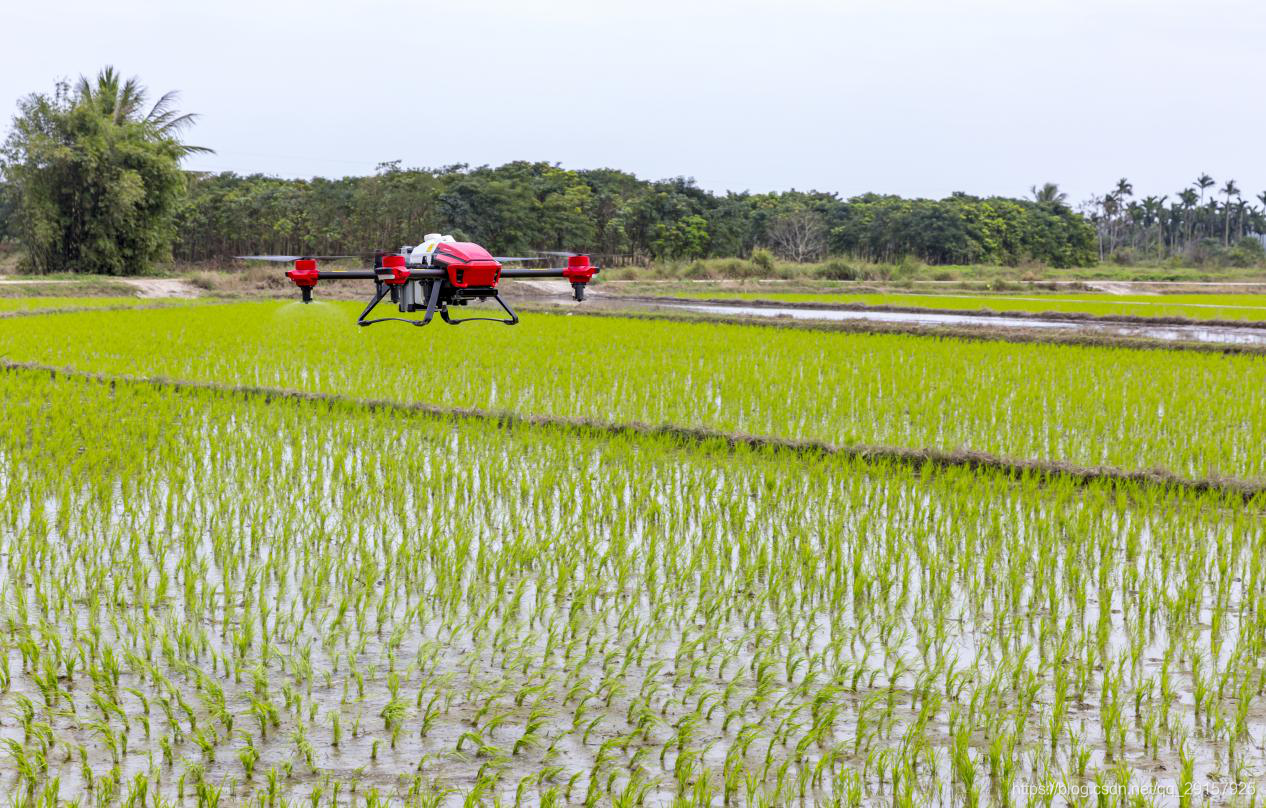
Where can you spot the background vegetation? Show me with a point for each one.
(93, 179)
(524, 206)
(1193, 228)
(92, 182)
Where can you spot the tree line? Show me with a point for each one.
(519, 207)
(92, 182)
(1193, 225)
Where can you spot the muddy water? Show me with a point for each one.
(1175, 333)
(615, 674)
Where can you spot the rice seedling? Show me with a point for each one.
(24, 304)
(1193, 414)
(212, 597)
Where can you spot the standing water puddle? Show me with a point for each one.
(1176, 333)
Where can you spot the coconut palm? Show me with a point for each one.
(1049, 192)
(123, 101)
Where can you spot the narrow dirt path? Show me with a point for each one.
(161, 287)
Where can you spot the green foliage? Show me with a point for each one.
(763, 259)
(95, 183)
(964, 229)
(8, 210)
(1247, 252)
(523, 206)
(838, 270)
(1193, 227)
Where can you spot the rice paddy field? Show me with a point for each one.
(25, 304)
(218, 590)
(1245, 307)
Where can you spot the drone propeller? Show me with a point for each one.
(504, 258)
(289, 258)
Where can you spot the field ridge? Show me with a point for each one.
(961, 458)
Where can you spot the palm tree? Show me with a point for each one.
(123, 102)
(1189, 201)
(1111, 207)
(1203, 182)
(1229, 190)
(1153, 210)
(1174, 226)
(1049, 192)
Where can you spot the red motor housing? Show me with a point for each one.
(468, 264)
(578, 270)
(305, 273)
(399, 272)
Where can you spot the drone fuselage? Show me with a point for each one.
(436, 275)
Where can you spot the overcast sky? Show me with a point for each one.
(916, 97)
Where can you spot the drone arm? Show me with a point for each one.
(371, 275)
(552, 272)
(578, 271)
(305, 275)
(348, 275)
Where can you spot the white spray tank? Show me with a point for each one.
(421, 254)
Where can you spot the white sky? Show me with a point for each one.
(916, 97)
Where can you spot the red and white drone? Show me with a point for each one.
(436, 274)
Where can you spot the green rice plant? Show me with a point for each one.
(552, 610)
(1089, 406)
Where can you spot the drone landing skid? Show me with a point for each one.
(514, 318)
(433, 304)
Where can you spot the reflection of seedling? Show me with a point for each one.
(302, 745)
(336, 728)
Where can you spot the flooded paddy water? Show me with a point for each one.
(213, 598)
(1195, 332)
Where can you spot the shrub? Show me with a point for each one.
(838, 269)
(1247, 252)
(763, 259)
(697, 270)
(1125, 256)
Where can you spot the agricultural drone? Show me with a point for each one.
(437, 274)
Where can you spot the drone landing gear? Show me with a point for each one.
(406, 296)
(514, 318)
(381, 291)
